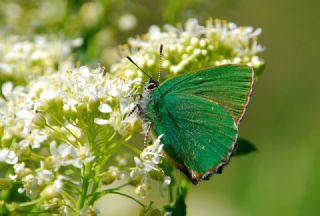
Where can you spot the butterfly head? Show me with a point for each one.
(151, 85)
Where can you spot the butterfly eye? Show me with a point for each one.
(151, 86)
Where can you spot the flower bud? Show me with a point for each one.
(39, 120)
(109, 177)
(143, 189)
(5, 184)
(89, 211)
(48, 163)
(49, 192)
(1, 130)
(6, 139)
(156, 175)
(135, 177)
(81, 108)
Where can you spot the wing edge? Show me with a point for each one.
(217, 169)
(248, 97)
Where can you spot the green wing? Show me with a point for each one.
(200, 135)
(229, 86)
(200, 116)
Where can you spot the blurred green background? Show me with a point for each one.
(282, 120)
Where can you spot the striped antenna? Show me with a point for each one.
(139, 67)
(160, 67)
(161, 96)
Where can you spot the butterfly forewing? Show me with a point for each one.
(229, 86)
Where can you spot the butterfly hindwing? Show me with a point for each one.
(200, 135)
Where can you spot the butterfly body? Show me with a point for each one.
(198, 114)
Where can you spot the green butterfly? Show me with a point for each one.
(198, 114)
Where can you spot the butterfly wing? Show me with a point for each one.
(200, 135)
(229, 86)
(198, 115)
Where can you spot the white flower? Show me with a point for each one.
(49, 95)
(8, 156)
(105, 108)
(30, 184)
(66, 155)
(52, 190)
(33, 138)
(70, 105)
(7, 89)
(11, 93)
(127, 22)
(19, 168)
(44, 176)
(100, 121)
(150, 157)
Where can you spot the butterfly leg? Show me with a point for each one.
(134, 95)
(147, 134)
(137, 106)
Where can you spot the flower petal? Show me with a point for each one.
(105, 108)
(100, 121)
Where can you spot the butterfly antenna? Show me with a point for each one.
(160, 67)
(138, 67)
(161, 96)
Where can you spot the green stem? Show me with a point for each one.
(170, 193)
(33, 202)
(128, 196)
(1, 95)
(132, 148)
(97, 195)
(40, 157)
(95, 185)
(84, 187)
(67, 129)
(69, 197)
(62, 138)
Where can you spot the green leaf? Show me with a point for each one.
(258, 70)
(244, 147)
(178, 207)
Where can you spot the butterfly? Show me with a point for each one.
(198, 114)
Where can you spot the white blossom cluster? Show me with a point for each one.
(146, 165)
(62, 124)
(192, 47)
(21, 60)
(72, 114)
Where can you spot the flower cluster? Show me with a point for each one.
(64, 130)
(147, 168)
(62, 121)
(22, 60)
(61, 127)
(85, 19)
(192, 47)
